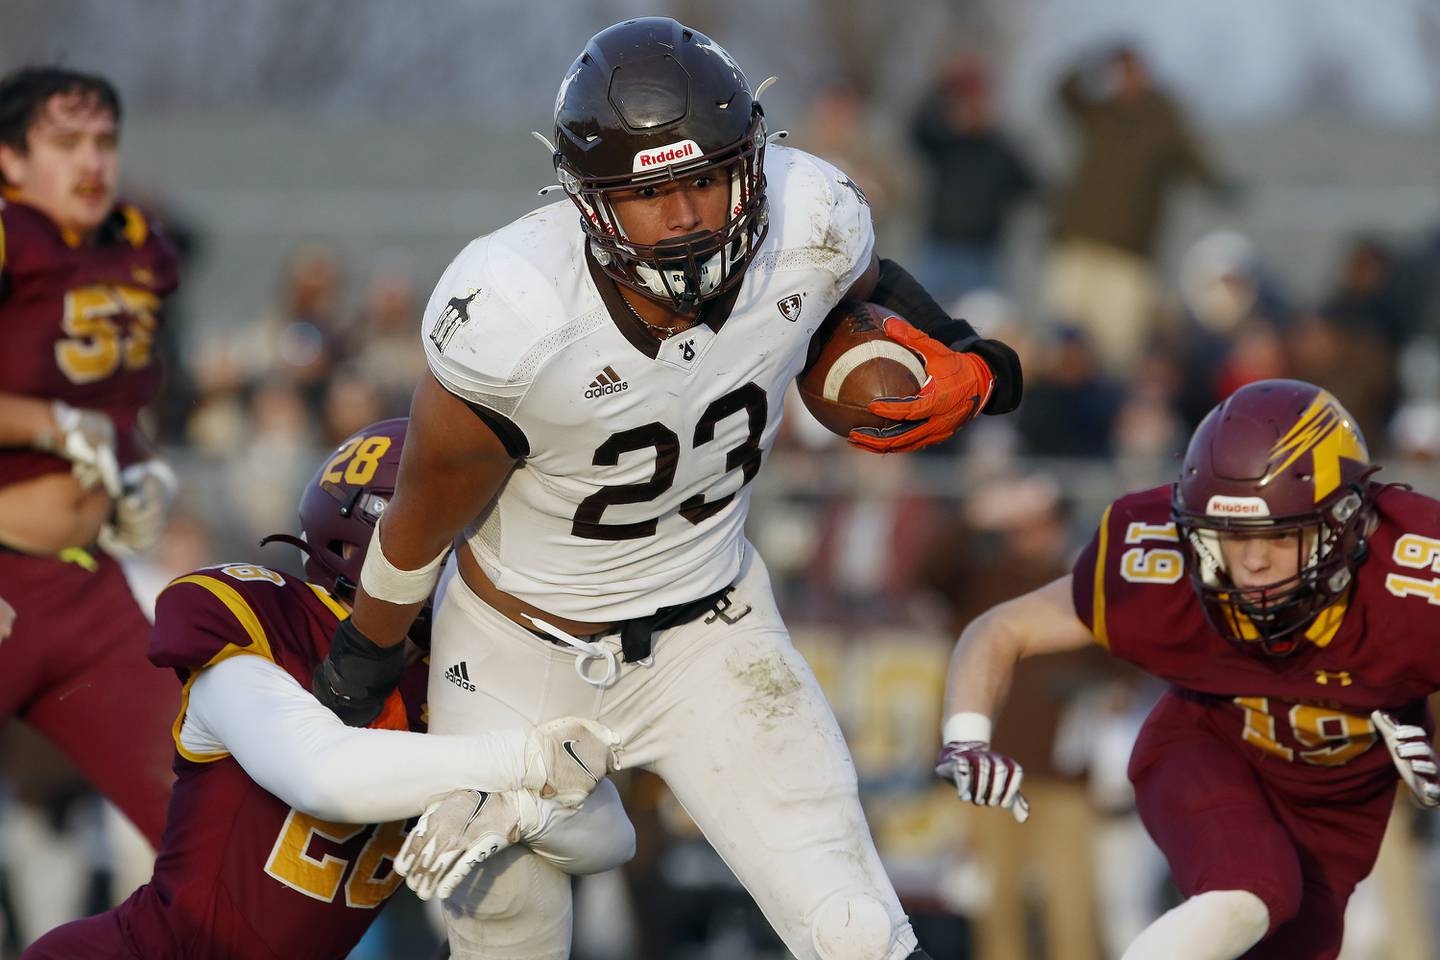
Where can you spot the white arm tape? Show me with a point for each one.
(966, 726)
(385, 581)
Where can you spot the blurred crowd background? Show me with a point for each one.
(1155, 202)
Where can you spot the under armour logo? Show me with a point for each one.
(1323, 677)
(455, 315)
(687, 349)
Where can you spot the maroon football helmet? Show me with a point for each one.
(1277, 457)
(341, 505)
(650, 101)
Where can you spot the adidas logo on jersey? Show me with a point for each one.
(460, 676)
(607, 382)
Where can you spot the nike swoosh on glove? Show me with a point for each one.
(956, 389)
(1413, 755)
(565, 759)
(983, 777)
(456, 832)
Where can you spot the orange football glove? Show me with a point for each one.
(392, 714)
(954, 393)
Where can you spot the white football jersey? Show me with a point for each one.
(636, 484)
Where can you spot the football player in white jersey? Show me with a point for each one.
(603, 388)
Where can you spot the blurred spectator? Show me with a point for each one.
(1134, 147)
(1069, 408)
(300, 339)
(1223, 286)
(277, 458)
(1147, 426)
(217, 424)
(1415, 429)
(1353, 363)
(867, 550)
(1019, 544)
(835, 130)
(976, 181)
(1368, 296)
(386, 352)
(1256, 353)
(351, 403)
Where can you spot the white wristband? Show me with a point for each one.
(385, 581)
(966, 726)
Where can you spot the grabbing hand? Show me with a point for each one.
(565, 759)
(1413, 755)
(956, 389)
(87, 439)
(983, 777)
(148, 493)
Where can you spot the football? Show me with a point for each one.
(853, 363)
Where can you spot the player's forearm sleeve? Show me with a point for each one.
(295, 748)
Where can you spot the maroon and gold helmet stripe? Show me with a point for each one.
(1325, 431)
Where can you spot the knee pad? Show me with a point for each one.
(595, 837)
(855, 926)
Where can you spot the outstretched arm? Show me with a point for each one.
(981, 668)
(298, 750)
(295, 748)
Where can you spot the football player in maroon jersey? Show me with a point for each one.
(1292, 602)
(285, 822)
(82, 276)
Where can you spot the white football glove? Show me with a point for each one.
(565, 759)
(87, 439)
(984, 777)
(460, 831)
(142, 510)
(1413, 755)
(7, 619)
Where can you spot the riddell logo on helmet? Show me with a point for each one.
(670, 153)
(1220, 506)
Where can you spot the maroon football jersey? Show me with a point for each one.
(78, 321)
(1307, 716)
(240, 875)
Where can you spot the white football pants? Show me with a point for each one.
(730, 716)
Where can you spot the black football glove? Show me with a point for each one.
(357, 676)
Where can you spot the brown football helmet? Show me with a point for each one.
(647, 101)
(1276, 456)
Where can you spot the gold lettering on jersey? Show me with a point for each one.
(292, 863)
(1160, 565)
(1417, 552)
(1331, 736)
(97, 344)
(1138, 532)
(1323, 677)
(1324, 432)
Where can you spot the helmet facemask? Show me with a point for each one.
(686, 272)
(1330, 543)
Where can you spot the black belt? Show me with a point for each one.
(636, 635)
